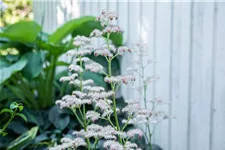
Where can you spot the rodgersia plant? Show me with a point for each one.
(150, 116)
(104, 104)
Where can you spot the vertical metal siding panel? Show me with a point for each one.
(176, 39)
(181, 46)
(81, 5)
(162, 67)
(219, 88)
(197, 73)
(203, 105)
(87, 9)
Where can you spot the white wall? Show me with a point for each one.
(188, 42)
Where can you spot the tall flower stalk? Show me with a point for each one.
(139, 67)
(115, 135)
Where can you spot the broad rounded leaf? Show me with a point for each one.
(59, 120)
(97, 78)
(34, 67)
(68, 28)
(7, 72)
(23, 31)
(4, 62)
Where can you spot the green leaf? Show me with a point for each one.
(59, 120)
(54, 49)
(23, 139)
(7, 72)
(22, 116)
(14, 105)
(116, 38)
(23, 31)
(6, 110)
(4, 62)
(35, 65)
(62, 63)
(68, 28)
(20, 107)
(97, 78)
(31, 116)
(3, 133)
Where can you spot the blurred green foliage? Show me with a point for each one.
(13, 11)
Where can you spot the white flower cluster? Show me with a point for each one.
(104, 50)
(96, 33)
(94, 67)
(81, 41)
(112, 29)
(83, 59)
(68, 78)
(68, 143)
(106, 17)
(139, 115)
(114, 145)
(75, 68)
(123, 49)
(119, 79)
(72, 101)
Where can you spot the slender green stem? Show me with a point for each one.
(95, 143)
(84, 109)
(113, 89)
(7, 123)
(150, 138)
(126, 124)
(78, 118)
(50, 83)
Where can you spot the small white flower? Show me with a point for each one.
(84, 59)
(133, 132)
(81, 41)
(123, 49)
(75, 68)
(92, 115)
(96, 33)
(94, 67)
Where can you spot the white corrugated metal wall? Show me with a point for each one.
(187, 39)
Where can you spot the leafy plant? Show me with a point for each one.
(39, 52)
(14, 110)
(30, 76)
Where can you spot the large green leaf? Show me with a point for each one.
(4, 62)
(68, 28)
(57, 118)
(23, 139)
(87, 27)
(55, 49)
(7, 72)
(97, 78)
(34, 65)
(23, 31)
